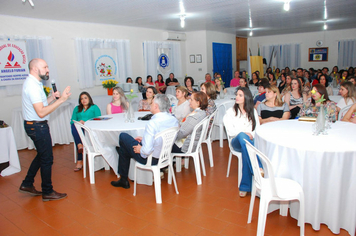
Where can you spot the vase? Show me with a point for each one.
(129, 114)
(320, 121)
(110, 91)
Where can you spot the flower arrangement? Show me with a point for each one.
(131, 96)
(110, 83)
(221, 81)
(47, 90)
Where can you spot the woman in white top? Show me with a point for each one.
(347, 91)
(182, 109)
(241, 122)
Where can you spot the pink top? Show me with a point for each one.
(116, 109)
(235, 82)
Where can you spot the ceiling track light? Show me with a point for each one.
(325, 26)
(30, 1)
(251, 33)
(286, 6)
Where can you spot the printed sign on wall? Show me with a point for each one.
(318, 54)
(13, 62)
(105, 64)
(164, 64)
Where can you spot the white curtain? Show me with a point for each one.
(281, 56)
(86, 73)
(36, 47)
(150, 55)
(346, 53)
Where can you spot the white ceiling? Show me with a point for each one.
(230, 16)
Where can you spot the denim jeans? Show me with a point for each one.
(126, 152)
(39, 133)
(238, 143)
(77, 141)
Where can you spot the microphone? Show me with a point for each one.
(54, 87)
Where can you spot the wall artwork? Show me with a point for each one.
(318, 54)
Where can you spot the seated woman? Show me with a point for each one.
(294, 98)
(271, 79)
(347, 91)
(312, 108)
(86, 110)
(282, 83)
(198, 103)
(325, 82)
(189, 83)
(287, 88)
(141, 87)
(255, 79)
(273, 109)
(241, 122)
(119, 102)
(129, 80)
(149, 81)
(183, 108)
(145, 104)
(209, 89)
(219, 86)
(350, 116)
(235, 82)
(243, 82)
(160, 85)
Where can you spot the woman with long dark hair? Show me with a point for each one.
(241, 122)
(294, 98)
(86, 110)
(145, 104)
(160, 85)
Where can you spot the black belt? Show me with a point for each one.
(31, 122)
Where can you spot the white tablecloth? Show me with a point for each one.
(106, 133)
(8, 152)
(59, 125)
(325, 166)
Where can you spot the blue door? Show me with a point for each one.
(222, 61)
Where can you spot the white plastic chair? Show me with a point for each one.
(194, 153)
(207, 138)
(165, 159)
(343, 112)
(271, 189)
(222, 108)
(200, 82)
(90, 148)
(239, 159)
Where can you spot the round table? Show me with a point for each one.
(324, 165)
(106, 134)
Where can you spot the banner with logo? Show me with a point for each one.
(105, 64)
(164, 63)
(13, 62)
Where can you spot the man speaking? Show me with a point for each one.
(36, 112)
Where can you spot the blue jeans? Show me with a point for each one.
(39, 133)
(126, 152)
(77, 141)
(238, 144)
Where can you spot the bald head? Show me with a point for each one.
(39, 68)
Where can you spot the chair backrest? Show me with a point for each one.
(222, 108)
(202, 125)
(200, 82)
(88, 143)
(168, 137)
(209, 129)
(343, 111)
(268, 179)
(172, 99)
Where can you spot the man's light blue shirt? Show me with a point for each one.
(159, 122)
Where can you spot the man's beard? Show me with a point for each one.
(43, 77)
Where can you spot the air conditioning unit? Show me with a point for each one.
(174, 36)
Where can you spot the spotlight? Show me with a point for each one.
(286, 6)
(182, 21)
(251, 33)
(325, 26)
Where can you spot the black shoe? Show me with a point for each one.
(31, 190)
(121, 183)
(53, 196)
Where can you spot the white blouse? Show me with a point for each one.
(236, 124)
(181, 111)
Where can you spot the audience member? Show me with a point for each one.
(350, 116)
(241, 122)
(209, 89)
(129, 80)
(160, 85)
(208, 78)
(86, 110)
(145, 104)
(189, 83)
(262, 85)
(273, 109)
(119, 102)
(235, 82)
(347, 91)
(255, 79)
(182, 109)
(171, 81)
(294, 98)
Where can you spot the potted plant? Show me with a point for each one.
(109, 84)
